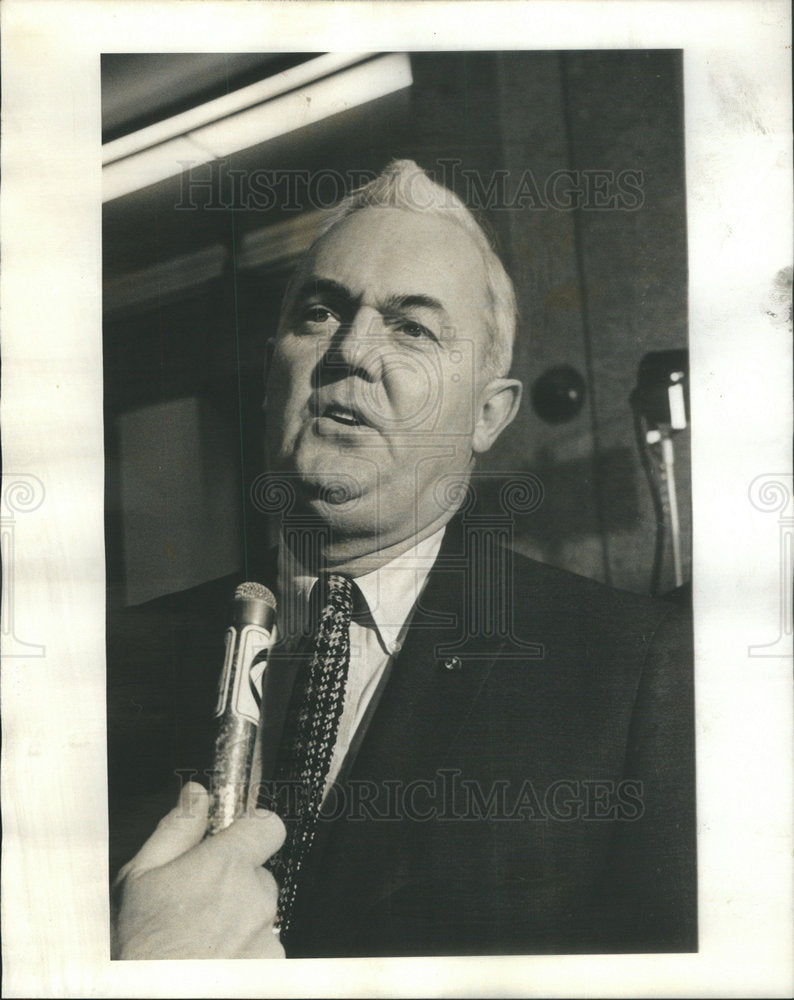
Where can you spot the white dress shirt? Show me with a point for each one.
(382, 603)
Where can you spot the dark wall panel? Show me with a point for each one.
(625, 114)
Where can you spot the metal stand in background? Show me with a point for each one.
(668, 458)
(661, 408)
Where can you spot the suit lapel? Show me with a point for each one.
(430, 691)
(462, 623)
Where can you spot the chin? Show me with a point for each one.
(344, 514)
(331, 495)
(334, 478)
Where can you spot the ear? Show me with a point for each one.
(499, 400)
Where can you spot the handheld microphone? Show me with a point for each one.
(248, 641)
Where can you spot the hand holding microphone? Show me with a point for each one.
(185, 895)
(189, 895)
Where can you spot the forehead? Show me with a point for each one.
(381, 252)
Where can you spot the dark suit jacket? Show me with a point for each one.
(525, 783)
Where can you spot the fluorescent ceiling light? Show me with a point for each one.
(221, 107)
(248, 117)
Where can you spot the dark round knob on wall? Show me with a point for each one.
(558, 394)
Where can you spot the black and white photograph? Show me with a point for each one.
(401, 570)
(498, 758)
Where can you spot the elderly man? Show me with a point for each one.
(492, 756)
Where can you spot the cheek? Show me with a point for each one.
(289, 377)
(415, 390)
(456, 411)
(285, 402)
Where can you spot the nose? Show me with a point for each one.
(355, 348)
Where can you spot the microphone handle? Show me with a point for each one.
(231, 774)
(247, 642)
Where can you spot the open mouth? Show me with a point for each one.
(343, 415)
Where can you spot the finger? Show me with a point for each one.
(263, 943)
(254, 838)
(178, 831)
(267, 897)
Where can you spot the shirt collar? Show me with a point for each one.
(390, 591)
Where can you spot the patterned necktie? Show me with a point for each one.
(314, 728)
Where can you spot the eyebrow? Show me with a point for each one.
(324, 286)
(394, 303)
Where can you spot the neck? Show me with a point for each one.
(356, 555)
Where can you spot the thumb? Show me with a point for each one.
(177, 832)
(256, 837)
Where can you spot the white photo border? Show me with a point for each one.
(737, 77)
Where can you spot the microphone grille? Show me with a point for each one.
(251, 590)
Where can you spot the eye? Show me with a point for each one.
(317, 314)
(413, 329)
(318, 319)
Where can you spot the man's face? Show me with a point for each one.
(374, 382)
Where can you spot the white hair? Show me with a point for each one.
(404, 185)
